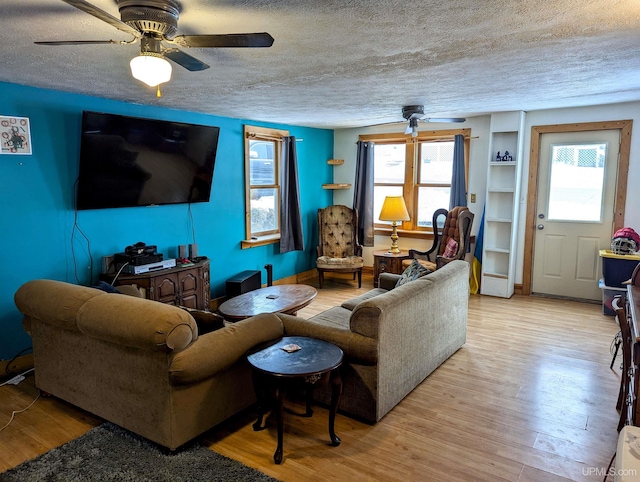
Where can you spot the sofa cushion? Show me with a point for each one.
(353, 302)
(347, 262)
(413, 272)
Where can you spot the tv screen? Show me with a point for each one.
(130, 161)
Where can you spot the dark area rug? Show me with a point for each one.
(109, 452)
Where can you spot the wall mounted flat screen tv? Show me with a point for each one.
(130, 161)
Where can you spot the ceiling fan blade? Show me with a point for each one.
(185, 60)
(78, 42)
(262, 39)
(102, 15)
(444, 119)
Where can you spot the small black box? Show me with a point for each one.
(243, 283)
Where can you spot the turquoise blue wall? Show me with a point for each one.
(37, 216)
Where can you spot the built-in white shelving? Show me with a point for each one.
(502, 204)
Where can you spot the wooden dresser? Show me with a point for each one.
(183, 285)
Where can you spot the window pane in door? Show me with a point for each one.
(436, 162)
(431, 199)
(379, 193)
(576, 182)
(389, 160)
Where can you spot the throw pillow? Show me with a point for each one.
(451, 249)
(413, 271)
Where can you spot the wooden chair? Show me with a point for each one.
(457, 226)
(338, 248)
(626, 403)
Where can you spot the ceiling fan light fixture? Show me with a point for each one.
(151, 68)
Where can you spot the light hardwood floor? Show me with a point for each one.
(529, 397)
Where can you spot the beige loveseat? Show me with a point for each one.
(138, 363)
(393, 338)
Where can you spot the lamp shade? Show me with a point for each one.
(394, 209)
(150, 69)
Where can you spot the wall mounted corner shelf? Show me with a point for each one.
(336, 186)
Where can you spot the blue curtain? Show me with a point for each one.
(291, 236)
(458, 195)
(363, 193)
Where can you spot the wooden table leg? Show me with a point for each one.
(277, 456)
(336, 391)
(259, 388)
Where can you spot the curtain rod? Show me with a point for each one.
(417, 139)
(265, 136)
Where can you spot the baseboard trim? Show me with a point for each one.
(517, 289)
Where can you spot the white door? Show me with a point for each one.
(574, 212)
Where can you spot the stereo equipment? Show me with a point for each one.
(182, 251)
(193, 251)
(145, 268)
(137, 260)
(243, 283)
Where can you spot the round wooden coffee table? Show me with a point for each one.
(272, 299)
(274, 368)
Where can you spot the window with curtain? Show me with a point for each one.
(418, 168)
(263, 150)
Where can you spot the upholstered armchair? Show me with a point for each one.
(452, 243)
(338, 248)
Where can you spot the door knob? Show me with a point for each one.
(540, 226)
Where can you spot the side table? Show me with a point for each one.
(274, 368)
(386, 262)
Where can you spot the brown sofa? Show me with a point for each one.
(139, 363)
(393, 338)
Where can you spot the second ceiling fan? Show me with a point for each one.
(153, 22)
(415, 113)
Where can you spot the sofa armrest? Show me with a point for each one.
(136, 323)
(220, 349)
(387, 281)
(355, 347)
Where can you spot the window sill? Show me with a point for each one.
(260, 241)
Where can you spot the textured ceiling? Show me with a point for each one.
(348, 63)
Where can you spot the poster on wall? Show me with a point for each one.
(15, 135)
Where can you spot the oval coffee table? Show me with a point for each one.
(274, 369)
(272, 299)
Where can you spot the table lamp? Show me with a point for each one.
(394, 209)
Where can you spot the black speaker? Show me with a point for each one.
(243, 283)
(182, 251)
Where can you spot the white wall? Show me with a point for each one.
(345, 148)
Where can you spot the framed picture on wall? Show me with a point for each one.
(15, 135)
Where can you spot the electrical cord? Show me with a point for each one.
(6, 368)
(193, 229)
(13, 414)
(76, 227)
(19, 376)
(118, 273)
